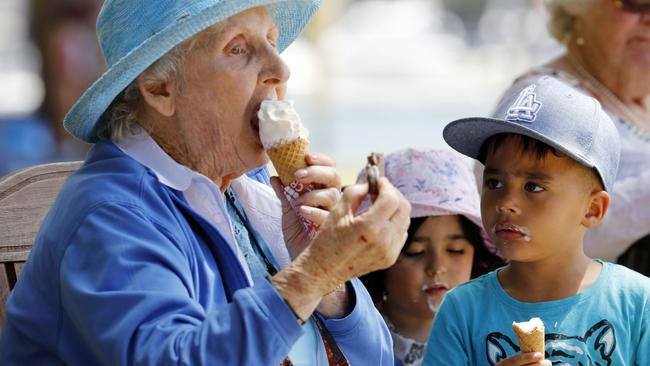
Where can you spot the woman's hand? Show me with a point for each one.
(346, 246)
(314, 206)
(525, 359)
(349, 246)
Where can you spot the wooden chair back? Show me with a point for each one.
(25, 198)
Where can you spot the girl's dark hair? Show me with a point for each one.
(483, 262)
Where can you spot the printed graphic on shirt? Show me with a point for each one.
(415, 354)
(594, 348)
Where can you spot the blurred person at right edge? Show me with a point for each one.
(445, 247)
(608, 56)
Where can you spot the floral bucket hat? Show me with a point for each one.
(133, 34)
(436, 183)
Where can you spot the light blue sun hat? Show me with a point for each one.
(133, 34)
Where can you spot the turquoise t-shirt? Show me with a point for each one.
(607, 324)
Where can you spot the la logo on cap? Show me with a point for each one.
(526, 106)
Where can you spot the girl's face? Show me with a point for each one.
(438, 259)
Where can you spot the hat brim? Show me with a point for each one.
(428, 210)
(291, 16)
(468, 135)
(419, 209)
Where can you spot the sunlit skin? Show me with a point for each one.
(614, 36)
(540, 197)
(616, 51)
(222, 87)
(537, 212)
(438, 259)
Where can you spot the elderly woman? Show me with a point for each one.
(608, 56)
(160, 249)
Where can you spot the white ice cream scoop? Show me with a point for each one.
(279, 123)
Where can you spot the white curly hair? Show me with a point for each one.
(121, 118)
(562, 15)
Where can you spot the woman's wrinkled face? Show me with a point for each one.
(223, 86)
(615, 36)
(438, 259)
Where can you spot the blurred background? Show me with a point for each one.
(367, 76)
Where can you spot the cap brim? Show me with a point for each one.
(468, 135)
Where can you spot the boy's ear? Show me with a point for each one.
(598, 205)
(158, 95)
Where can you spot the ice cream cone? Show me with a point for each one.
(284, 137)
(530, 335)
(285, 141)
(288, 158)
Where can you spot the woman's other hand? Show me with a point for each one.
(346, 246)
(349, 246)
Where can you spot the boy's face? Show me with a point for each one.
(534, 208)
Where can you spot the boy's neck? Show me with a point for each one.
(554, 278)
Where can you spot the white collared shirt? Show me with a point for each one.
(262, 208)
(205, 197)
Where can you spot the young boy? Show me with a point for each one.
(550, 156)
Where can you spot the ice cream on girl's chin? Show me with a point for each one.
(279, 123)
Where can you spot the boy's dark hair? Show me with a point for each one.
(483, 262)
(527, 144)
(533, 146)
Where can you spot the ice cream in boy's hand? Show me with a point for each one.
(530, 335)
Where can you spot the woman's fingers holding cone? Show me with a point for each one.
(322, 198)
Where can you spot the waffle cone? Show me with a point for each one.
(288, 158)
(532, 341)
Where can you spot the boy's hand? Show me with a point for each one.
(525, 359)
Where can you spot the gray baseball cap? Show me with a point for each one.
(554, 113)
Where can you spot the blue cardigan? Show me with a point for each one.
(124, 272)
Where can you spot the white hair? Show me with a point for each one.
(562, 15)
(121, 118)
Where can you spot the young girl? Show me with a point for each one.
(446, 245)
